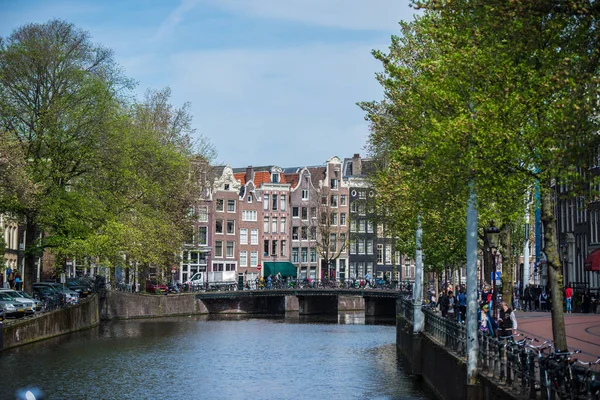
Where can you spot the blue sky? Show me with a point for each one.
(269, 81)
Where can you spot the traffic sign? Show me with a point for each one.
(258, 267)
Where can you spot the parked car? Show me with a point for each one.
(31, 305)
(38, 303)
(155, 287)
(69, 296)
(1, 314)
(12, 308)
(78, 286)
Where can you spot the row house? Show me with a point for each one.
(372, 246)
(319, 226)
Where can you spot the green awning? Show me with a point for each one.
(285, 268)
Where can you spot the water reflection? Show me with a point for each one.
(336, 357)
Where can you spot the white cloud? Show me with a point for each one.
(350, 14)
(174, 18)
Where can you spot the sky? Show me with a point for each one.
(270, 82)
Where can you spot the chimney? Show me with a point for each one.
(356, 165)
(249, 173)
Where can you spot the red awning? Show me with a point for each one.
(592, 261)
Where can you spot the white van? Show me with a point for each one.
(197, 280)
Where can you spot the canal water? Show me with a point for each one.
(206, 358)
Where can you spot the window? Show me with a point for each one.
(323, 219)
(334, 201)
(219, 226)
(244, 236)
(189, 235)
(332, 242)
(334, 183)
(229, 250)
(230, 205)
(334, 219)
(354, 207)
(275, 177)
(226, 186)
(202, 235)
(230, 227)
(243, 258)
(362, 226)
(283, 251)
(266, 202)
(274, 225)
(388, 253)
(248, 215)
(282, 202)
(254, 236)
(218, 248)
(295, 212)
(362, 194)
(266, 247)
(362, 209)
(294, 233)
(343, 200)
(203, 214)
(370, 226)
(313, 233)
(342, 218)
(379, 254)
(220, 205)
(313, 212)
(304, 194)
(294, 254)
(313, 255)
(253, 258)
(274, 247)
(369, 247)
(249, 199)
(324, 200)
(304, 255)
(304, 233)
(274, 202)
(266, 224)
(282, 225)
(304, 213)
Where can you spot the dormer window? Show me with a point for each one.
(227, 186)
(275, 177)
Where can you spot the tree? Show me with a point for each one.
(58, 95)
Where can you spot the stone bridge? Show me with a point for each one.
(373, 302)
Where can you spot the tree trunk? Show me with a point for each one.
(554, 271)
(507, 267)
(30, 254)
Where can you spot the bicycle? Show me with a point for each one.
(584, 382)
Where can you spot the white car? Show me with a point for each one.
(31, 305)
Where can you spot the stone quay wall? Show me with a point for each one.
(122, 305)
(84, 315)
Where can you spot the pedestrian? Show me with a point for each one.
(367, 280)
(485, 321)
(18, 281)
(462, 306)
(433, 300)
(507, 321)
(569, 298)
(452, 306)
(269, 282)
(444, 304)
(7, 275)
(586, 302)
(543, 298)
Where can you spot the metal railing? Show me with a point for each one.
(526, 369)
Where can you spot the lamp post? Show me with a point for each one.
(492, 234)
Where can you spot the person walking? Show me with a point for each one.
(18, 281)
(569, 298)
(543, 298)
(586, 302)
(462, 306)
(486, 322)
(507, 321)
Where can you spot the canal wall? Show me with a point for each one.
(82, 316)
(123, 305)
(444, 372)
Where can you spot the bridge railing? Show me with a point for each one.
(522, 368)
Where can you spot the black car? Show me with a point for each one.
(78, 286)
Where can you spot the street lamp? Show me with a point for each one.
(492, 234)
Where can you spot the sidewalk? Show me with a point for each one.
(583, 331)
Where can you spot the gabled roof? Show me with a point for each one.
(240, 176)
(292, 179)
